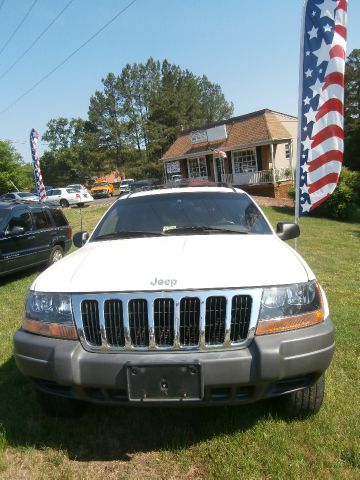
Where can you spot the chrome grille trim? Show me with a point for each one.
(176, 296)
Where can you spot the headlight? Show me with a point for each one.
(49, 314)
(290, 307)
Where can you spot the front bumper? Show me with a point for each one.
(100, 194)
(271, 365)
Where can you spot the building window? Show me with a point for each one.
(197, 167)
(287, 151)
(244, 161)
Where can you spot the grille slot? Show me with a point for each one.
(240, 317)
(90, 319)
(215, 320)
(114, 323)
(138, 323)
(164, 321)
(189, 321)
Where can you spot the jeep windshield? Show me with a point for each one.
(182, 213)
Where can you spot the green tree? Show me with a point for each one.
(13, 171)
(148, 105)
(352, 111)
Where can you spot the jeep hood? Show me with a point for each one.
(176, 262)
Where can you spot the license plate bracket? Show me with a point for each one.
(169, 383)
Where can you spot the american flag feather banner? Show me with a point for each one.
(40, 189)
(321, 102)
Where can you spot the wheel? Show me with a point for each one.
(56, 406)
(57, 253)
(64, 203)
(303, 403)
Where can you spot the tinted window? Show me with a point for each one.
(54, 192)
(165, 213)
(58, 217)
(71, 190)
(3, 215)
(41, 219)
(20, 218)
(25, 194)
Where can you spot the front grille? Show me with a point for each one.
(166, 320)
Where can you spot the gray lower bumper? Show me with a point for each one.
(272, 365)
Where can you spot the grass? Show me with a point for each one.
(250, 442)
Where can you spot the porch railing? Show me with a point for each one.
(256, 178)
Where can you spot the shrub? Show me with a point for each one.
(291, 191)
(345, 200)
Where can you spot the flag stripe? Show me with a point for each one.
(333, 143)
(334, 78)
(331, 118)
(331, 105)
(328, 132)
(319, 202)
(331, 155)
(341, 30)
(337, 51)
(332, 166)
(329, 178)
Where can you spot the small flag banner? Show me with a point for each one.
(219, 153)
(40, 189)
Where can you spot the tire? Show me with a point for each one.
(64, 203)
(303, 403)
(57, 253)
(55, 406)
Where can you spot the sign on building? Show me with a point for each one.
(173, 167)
(209, 135)
(198, 136)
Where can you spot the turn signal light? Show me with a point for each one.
(290, 323)
(50, 329)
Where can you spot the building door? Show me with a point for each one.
(219, 169)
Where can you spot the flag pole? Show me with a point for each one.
(298, 153)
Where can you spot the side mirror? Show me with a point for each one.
(80, 238)
(286, 231)
(16, 230)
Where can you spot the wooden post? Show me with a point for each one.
(291, 149)
(273, 164)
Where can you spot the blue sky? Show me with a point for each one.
(251, 49)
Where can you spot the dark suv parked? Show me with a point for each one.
(31, 234)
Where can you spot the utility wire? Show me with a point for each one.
(69, 56)
(35, 41)
(17, 28)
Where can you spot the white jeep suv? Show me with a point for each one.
(214, 309)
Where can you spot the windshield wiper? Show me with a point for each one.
(206, 229)
(129, 234)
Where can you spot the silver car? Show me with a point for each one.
(23, 196)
